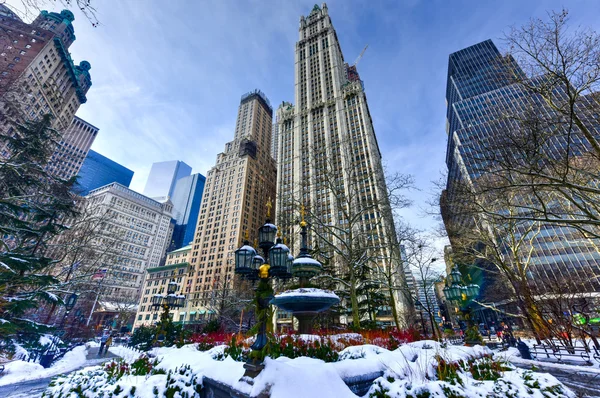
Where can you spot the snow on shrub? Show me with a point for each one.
(419, 369)
(116, 381)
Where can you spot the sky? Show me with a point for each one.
(168, 75)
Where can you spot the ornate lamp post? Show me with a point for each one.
(167, 302)
(251, 266)
(462, 294)
(281, 265)
(69, 305)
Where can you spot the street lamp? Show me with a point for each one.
(459, 292)
(276, 262)
(69, 305)
(167, 302)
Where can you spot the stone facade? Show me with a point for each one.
(176, 268)
(236, 191)
(38, 77)
(141, 228)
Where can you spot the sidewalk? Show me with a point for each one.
(582, 381)
(35, 388)
(92, 355)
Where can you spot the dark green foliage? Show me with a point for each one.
(447, 370)
(143, 337)
(234, 350)
(142, 366)
(486, 368)
(116, 369)
(132, 391)
(183, 375)
(33, 207)
(472, 336)
(380, 392)
(212, 326)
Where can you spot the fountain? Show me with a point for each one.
(305, 303)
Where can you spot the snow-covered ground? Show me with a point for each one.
(411, 369)
(18, 371)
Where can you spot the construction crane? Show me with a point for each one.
(360, 55)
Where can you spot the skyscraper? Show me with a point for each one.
(163, 177)
(479, 96)
(327, 148)
(186, 199)
(38, 77)
(37, 73)
(71, 150)
(236, 191)
(98, 170)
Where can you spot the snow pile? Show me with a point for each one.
(18, 371)
(47, 339)
(308, 292)
(424, 368)
(127, 353)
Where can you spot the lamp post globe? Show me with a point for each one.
(455, 276)
(266, 236)
(454, 293)
(172, 287)
(473, 290)
(446, 291)
(257, 261)
(290, 262)
(244, 256)
(71, 302)
(157, 300)
(278, 258)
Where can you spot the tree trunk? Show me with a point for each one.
(354, 302)
(394, 308)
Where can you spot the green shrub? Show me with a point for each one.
(142, 366)
(115, 370)
(472, 335)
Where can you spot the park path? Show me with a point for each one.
(35, 388)
(583, 383)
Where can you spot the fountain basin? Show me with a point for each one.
(305, 300)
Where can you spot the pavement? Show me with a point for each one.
(584, 383)
(35, 388)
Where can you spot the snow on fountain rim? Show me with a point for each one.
(308, 292)
(307, 260)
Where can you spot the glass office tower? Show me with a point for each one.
(163, 177)
(479, 95)
(186, 199)
(98, 170)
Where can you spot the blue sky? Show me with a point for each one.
(168, 75)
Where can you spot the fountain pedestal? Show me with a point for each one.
(305, 304)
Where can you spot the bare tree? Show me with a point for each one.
(28, 9)
(544, 150)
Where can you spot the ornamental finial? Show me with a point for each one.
(302, 213)
(269, 205)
